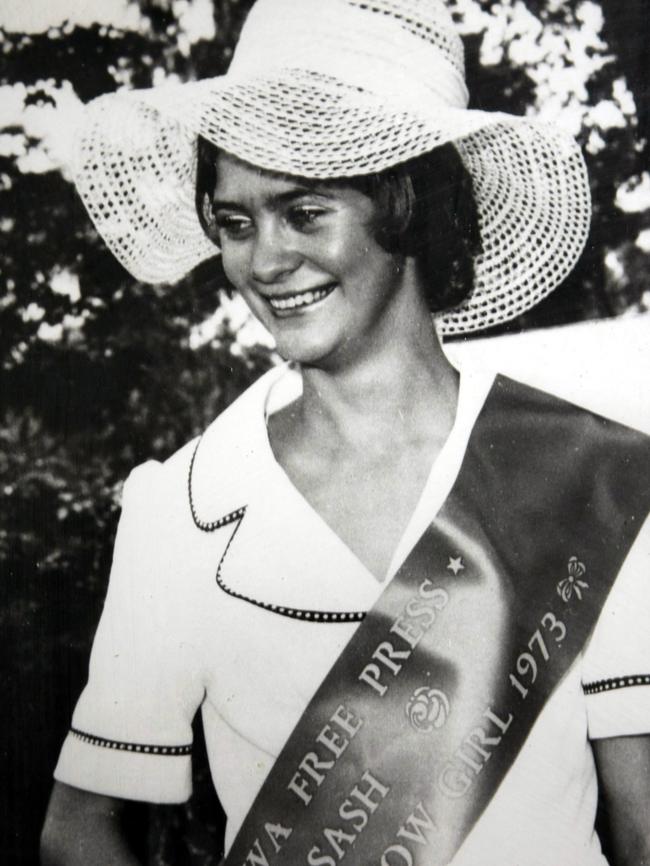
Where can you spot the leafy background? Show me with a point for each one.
(98, 373)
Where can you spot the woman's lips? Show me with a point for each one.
(299, 300)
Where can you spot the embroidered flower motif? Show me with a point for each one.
(427, 709)
(572, 584)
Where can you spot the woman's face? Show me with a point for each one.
(304, 257)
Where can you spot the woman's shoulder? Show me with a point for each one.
(597, 366)
(210, 472)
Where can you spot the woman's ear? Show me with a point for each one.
(207, 215)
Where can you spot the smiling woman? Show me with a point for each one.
(424, 208)
(306, 260)
(407, 598)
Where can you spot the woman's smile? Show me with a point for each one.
(292, 303)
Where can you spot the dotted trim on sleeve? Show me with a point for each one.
(616, 683)
(93, 740)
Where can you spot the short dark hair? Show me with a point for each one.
(426, 209)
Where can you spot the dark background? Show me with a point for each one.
(95, 381)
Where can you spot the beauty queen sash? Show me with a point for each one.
(420, 718)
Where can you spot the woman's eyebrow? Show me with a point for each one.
(279, 199)
(222, 204)
(298, 192)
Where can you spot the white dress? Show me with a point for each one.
(173, 638)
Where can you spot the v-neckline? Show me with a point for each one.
(442, 472)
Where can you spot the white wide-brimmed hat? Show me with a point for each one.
(331, 89)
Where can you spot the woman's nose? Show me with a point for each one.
(274, 258)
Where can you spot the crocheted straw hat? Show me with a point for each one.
(330, 89)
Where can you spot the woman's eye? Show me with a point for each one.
(234, 227)
(304, 217)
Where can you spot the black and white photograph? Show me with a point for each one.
(325, 437)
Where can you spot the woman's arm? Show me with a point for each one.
(84, 829)
(624, 770)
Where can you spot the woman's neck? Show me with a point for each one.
(360, 442)
(407, 392)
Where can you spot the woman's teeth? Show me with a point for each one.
(303, 299)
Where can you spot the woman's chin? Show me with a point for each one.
(302, 339)
(304, 352)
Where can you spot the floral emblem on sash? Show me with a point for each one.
(572, 584)
(427, 709)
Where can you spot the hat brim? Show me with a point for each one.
(135, 169)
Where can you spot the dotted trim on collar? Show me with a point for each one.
(92, 740)
(237, 516)
(328, 616)
(616, 683)
(205, 525)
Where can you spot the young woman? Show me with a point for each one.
(409, 600)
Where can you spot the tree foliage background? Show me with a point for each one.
(99, 373)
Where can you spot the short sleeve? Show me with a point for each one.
(616, 666)
(131, 732)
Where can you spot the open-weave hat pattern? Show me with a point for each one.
(331, 89)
